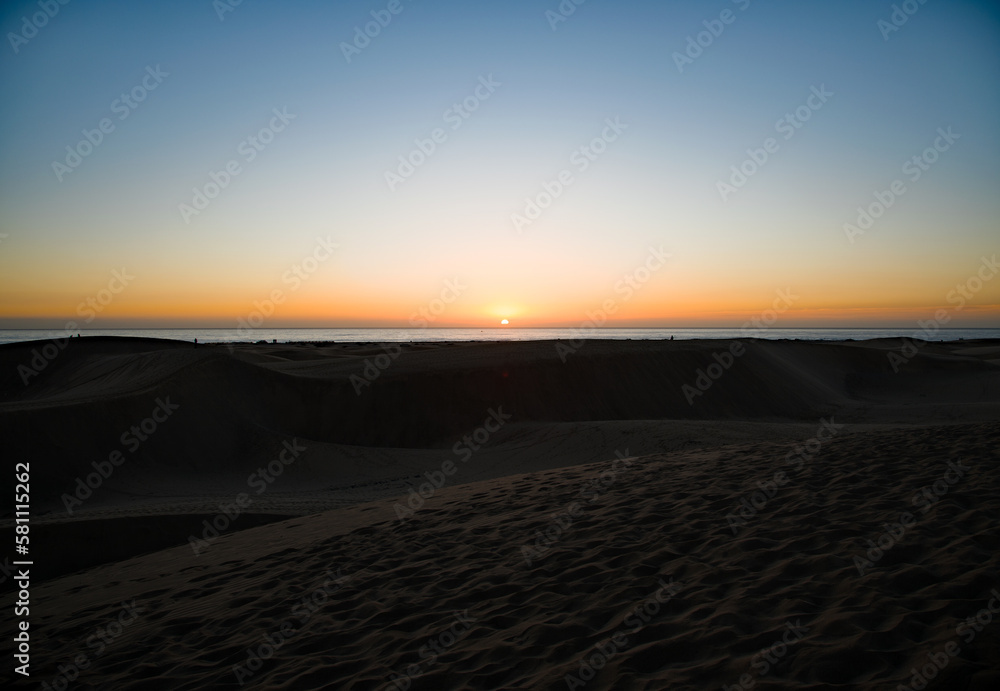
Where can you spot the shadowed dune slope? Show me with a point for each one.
(378, 590)
(237, 406)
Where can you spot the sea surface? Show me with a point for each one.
(496, 334)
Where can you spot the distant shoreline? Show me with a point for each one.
(490, 335)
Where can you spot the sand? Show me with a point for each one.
(812, 519)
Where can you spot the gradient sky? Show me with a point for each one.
(656, 185)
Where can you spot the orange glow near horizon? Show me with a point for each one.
(342, 295)
(224, 314)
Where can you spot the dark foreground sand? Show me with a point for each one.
(813, 520)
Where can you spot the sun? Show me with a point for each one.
(504, 322)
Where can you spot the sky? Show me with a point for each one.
(454, 163)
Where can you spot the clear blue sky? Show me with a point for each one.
(552, 92)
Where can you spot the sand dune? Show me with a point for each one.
(570, 508)
(237, 407)
(647, 570)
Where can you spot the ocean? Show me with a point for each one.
(493, 334)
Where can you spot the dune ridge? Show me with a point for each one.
(486, 515)
(239, 404)
(657, 521)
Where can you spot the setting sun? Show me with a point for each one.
(504, 322)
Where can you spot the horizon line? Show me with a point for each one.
(495, 328)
